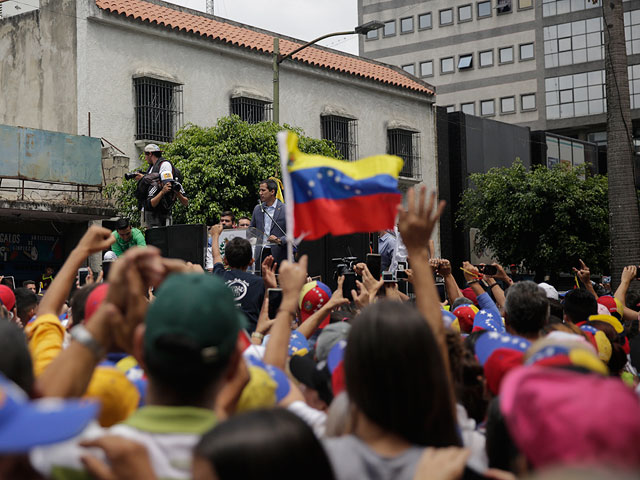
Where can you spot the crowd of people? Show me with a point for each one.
(167, 371)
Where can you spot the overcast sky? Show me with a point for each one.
(303, 19)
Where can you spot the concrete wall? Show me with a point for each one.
(116, 49)
(38, 68)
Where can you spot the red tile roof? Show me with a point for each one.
(244, 36)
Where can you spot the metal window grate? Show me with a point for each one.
(406, 145)
(251, 110)
(343, 132)
(159, 112)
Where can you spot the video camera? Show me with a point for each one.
(132, 175)
(343, 265)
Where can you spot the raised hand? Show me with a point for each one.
(417, 222)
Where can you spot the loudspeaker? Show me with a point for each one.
(321, 252)
(186, 242)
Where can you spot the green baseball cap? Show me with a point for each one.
(192, 322)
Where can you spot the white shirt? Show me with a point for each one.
(267, 219)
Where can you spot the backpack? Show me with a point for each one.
(153, 178)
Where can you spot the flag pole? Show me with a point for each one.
(288, 192)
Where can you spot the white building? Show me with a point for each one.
(134, 71)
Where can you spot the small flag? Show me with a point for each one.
(279, 195)
(340, 197)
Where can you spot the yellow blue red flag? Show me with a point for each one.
(341, 197)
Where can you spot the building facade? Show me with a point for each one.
(535, 63)
(134, 71)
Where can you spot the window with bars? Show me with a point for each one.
(406, 145)
(251, 110)
(343, 132)
(158, 109)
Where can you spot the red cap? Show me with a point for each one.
(94, 300)
(499, 364)
(468, 292)
(7, 297)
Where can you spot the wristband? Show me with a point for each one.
(494, 285)
(257, 335)
(81, 335)
(472, 282)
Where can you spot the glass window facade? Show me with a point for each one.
(575, 95)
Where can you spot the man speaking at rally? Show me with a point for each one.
(269, 217)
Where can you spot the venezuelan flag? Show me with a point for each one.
(340, 197)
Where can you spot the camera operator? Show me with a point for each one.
(163, 191)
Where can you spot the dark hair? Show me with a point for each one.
(28, 282)
(271, 184)
(238, 252)
(25, 300)
(261, 444)
(501, 449)
(228, 213)
(618, 357)
(79, 301)
(244, 218)
(122, 223)
(579, 305)
(467, 375)
(15, 360)
(395, 375)
(526, 308)
(555, 308)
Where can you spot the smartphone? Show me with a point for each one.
(487, 269)
(348, 285)
(10, 282)
(105, 268)
(82, 276)
(441, 291)
(401, 274)
(388, 277)
(275, 299)
(374, 264)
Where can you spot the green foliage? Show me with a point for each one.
(222, 167)
(545, 218)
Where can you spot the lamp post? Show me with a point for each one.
(278, 58)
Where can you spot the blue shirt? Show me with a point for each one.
(386, 249)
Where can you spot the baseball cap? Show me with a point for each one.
(557, 416)
(152, 147)
(485, 320)
(549, 290)
(312, 297)
(329, 336)
(499, 353)
(465, 315)
(25, 423)
(335, 362)
(7, 297)
(560, 351)
(610, 319)
(110, 256)
(278, 376)
(95, 299)
(193, 322)
(450, 320)
(614, 305)
(313, 375)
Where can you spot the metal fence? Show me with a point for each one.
(251, 110)
(159, 111)
(406, 145)
(343, 132)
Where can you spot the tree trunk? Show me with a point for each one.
(624, 222)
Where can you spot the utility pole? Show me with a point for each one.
(624, 218)
(278, 59)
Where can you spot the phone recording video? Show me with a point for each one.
(82, 276)
(275, 299)
(487, 269)
(374, 264)
(348, 285)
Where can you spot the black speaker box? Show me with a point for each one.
(187, 242)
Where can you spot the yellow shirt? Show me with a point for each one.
(119, 397)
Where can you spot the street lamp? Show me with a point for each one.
(278, 58)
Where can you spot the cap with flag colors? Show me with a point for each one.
(341, 197)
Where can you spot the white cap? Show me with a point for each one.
(110, 256)
(549, 290)
(152, 147)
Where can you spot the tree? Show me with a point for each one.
(624, 221)
(222, 167)
(544, 218)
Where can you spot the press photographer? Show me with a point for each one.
(158, 189)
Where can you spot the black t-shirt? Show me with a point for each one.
(248, 290)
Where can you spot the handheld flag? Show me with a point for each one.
(279, 195)
(340, 197)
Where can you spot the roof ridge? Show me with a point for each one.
(246, 36)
